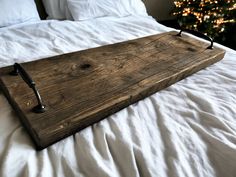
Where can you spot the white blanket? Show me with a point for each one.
(188, 129)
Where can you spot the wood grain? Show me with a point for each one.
(81, 88)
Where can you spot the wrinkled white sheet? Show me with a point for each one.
(188, 129)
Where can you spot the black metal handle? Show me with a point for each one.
(198, 34)
(18, 69)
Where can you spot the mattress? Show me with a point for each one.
(187, 129)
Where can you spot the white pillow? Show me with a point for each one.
(15, 11)
(89, 9)
(57, 9)
(135, 7)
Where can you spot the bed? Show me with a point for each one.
(187, 129)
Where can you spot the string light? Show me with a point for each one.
(211, 12)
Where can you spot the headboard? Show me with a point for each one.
(41, 10)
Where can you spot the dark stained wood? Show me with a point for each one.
(84, 87)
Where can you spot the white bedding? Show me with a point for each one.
(188, 129)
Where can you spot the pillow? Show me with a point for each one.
(135, 7)
(57, 9)
(15, 12)
(89, 9)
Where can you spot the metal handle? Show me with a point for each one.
(198, 34)
(18, 69)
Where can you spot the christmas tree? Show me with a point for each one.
(210, 17)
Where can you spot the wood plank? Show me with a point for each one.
(81, 88)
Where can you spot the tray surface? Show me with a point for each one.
(84, 87)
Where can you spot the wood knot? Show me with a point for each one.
(85, 66)
(191, 49)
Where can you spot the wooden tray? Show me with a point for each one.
(84, 87)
